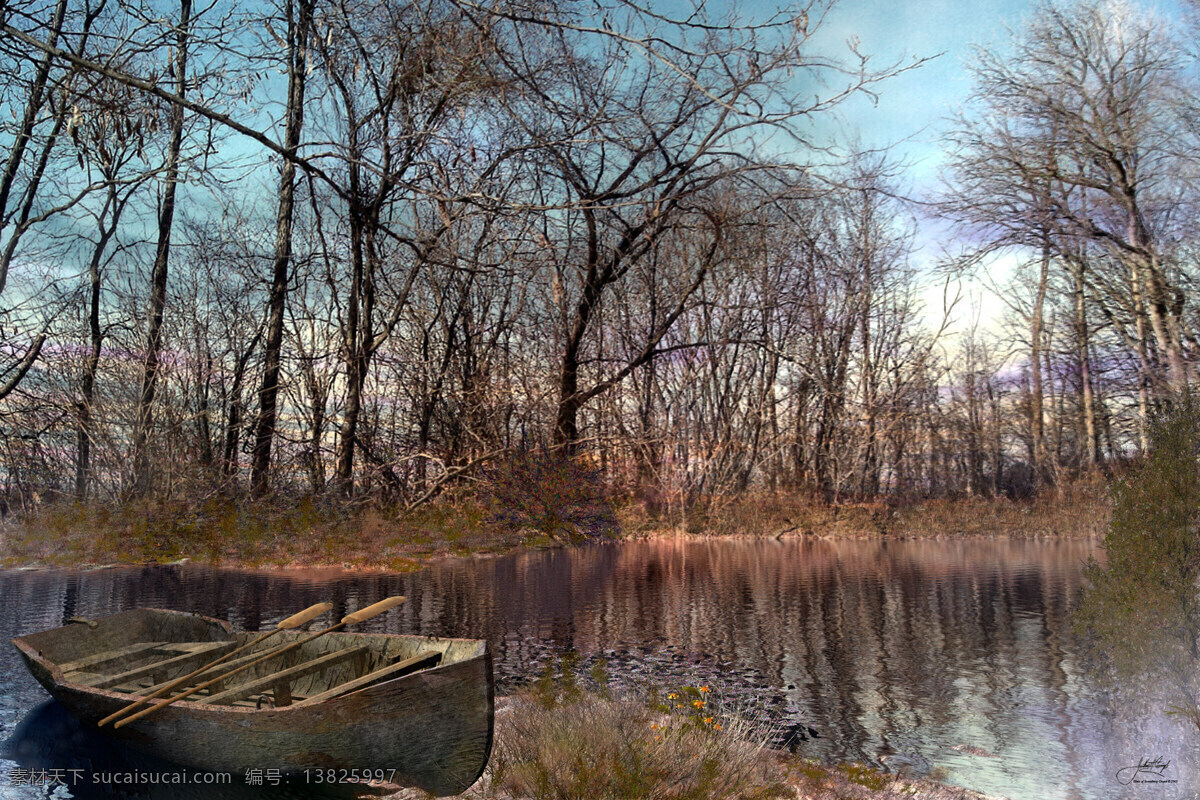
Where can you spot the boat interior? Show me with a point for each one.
(143, 657)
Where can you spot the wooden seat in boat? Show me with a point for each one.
(417, 662)
(280, 682)
(161, 669)
(108, 658)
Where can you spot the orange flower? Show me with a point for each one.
(708, 720)
(704, 689)
(698, 703)
(717, 727)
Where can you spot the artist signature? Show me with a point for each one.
(1145, 771)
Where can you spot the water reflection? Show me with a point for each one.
(956, 654)
(55, 750)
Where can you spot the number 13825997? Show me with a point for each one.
(349, 775)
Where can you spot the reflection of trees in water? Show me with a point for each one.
(890, 645)
(870, 631)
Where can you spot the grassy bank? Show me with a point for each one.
(305, 533)
(677, 744)
(308, 532)
(1077, 509)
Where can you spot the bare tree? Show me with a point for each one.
(643, 155)
(178, 66)
(299, 20)
(1075, 153)
(109, 137)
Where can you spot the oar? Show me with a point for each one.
(294, 621)
(362, 615)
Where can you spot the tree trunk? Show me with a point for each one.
(110, 217)
(1087, 400)
(344, 469)
(298, 33)
(566, 424)
(871, 462)
(1037, 420)
(158, 277)
(203, 421)
(233, 426)
(1145, 372)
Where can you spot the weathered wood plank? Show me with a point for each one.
(208, 674)
(282, 691)
(290, 674)
(94, 662)
(193, 647)
(419, 661)
(208, 651)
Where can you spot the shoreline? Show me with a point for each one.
(310, 536)
(295, 569)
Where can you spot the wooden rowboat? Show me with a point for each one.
(411, 710)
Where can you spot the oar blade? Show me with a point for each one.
(364, 614)
(304, 617)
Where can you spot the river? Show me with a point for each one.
(917, 654)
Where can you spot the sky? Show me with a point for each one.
(914, 108)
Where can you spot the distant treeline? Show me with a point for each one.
(377, 248)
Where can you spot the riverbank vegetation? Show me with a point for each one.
(1141, 611)
(306, 533)
(573, 736)
(562, 741)
(373, 253)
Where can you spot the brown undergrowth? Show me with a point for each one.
(266, 534)
(595, 748)
(312, 532)
(1074, 510)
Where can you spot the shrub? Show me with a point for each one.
(1141, 611)
(559, 741)
(553, 495)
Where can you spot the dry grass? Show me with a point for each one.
(238, 533)
(577, 745)
(560, 740)
(310, 532)
(596, 748)
(1074, 510)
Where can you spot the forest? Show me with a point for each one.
(370, 249)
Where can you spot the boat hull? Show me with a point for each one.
(431, 729)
